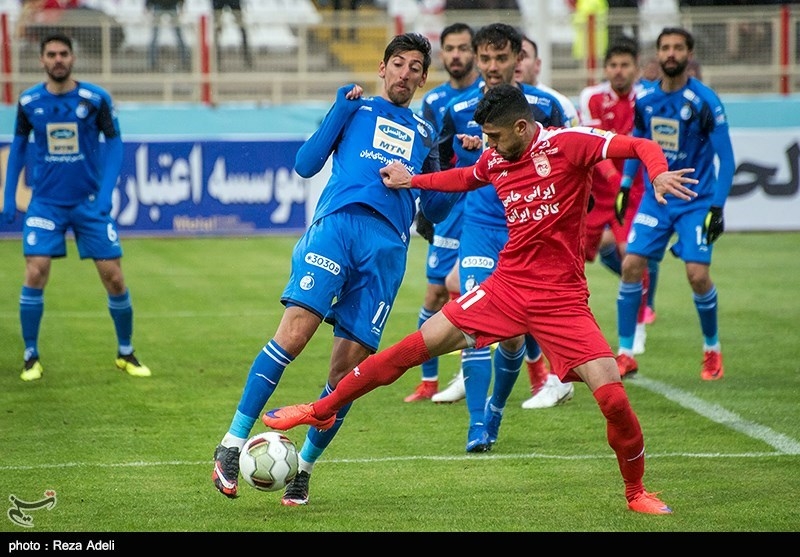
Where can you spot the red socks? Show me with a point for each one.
(382, 368)
(624, 435)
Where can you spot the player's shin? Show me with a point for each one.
(382, 368)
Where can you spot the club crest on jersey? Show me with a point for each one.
(542, 164)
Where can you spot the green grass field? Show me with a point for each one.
(127, 454)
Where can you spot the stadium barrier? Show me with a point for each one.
(195, 170)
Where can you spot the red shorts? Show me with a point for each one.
(559, 320)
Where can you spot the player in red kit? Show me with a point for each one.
(610, 105)
(543, 177)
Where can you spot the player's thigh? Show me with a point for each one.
(691, 244)
(567, 331)
(650, 232)
(96, 235)
(44, 230)
(367, 297)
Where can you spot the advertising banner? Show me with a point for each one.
(202, 187)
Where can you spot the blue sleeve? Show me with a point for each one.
(16, 161)
(721, 140)
(436, 205)
(113, 152)
(315, 151)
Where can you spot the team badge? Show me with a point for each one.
(542, 164)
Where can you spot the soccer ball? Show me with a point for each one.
(268, 461)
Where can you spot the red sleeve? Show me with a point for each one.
(646, 150)
(454, 179)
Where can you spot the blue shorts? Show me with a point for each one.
(655, 224)
(347, 268)
(480, 247)
(443, 252)
(45, 228)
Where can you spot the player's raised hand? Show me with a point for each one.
(672, 182)
(396, 176)
(470, 142)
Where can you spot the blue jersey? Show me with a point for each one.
(435, 101)
(364, 135)
(482, 206)
(69, 162)
(691, 127)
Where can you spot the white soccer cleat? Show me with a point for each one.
(454, 392)
(552, 394)
(639, 339)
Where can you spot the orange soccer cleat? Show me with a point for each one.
(295, 415)
(627, 365)
(712, 366)
(424, 391)
(648, 503)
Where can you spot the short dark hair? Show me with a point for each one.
(622, 46)
(408, 42)
(533, 43)
(454, 28)
(498, 35)
(676, 31)
(502, 105)
(57, 37)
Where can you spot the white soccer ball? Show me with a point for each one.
(268, 461)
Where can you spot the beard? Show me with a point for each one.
(458, 73)
(678, 69)
(60, 74)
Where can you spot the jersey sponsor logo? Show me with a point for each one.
(38, 222)
(393, 138)
(478, 261)
(307, 282)
(646, 220)
(323, 263)
(542, 164)
(62, 138)
(664, 131)
(444, 242)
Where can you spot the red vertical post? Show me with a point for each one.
(784, 47)
(205, 61)
(398, 25)
(591, 54)
(6, 47)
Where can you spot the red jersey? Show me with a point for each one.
(545, 193)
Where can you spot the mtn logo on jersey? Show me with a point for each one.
(393, 138)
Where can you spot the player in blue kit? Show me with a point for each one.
(458, 59)
(497, 47)
(687, 119)
(348, 266)
(72, 178)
